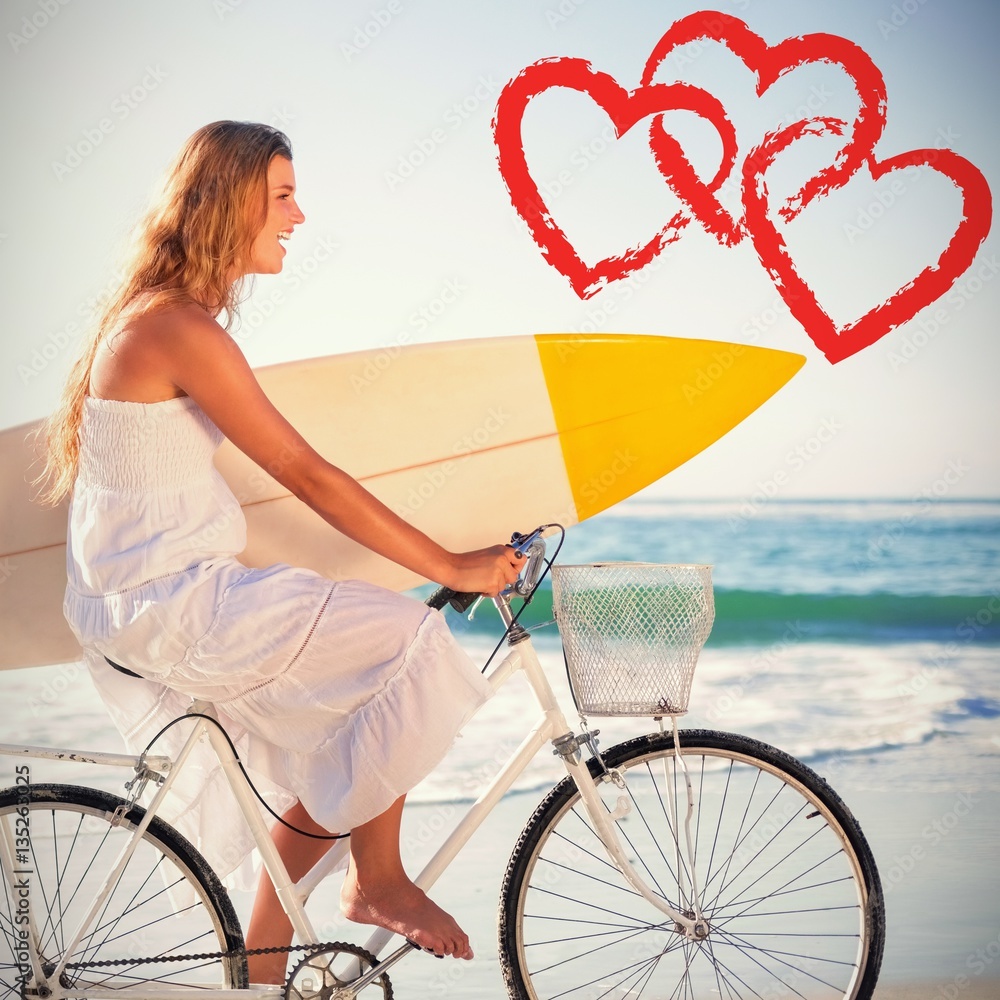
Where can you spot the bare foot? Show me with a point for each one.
(399, 906)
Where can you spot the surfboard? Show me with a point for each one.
(468, 440)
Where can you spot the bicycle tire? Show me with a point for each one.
(73, 848)
(790, 889)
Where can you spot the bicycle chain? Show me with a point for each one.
(234, 953)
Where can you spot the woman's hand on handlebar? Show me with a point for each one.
(485, 571)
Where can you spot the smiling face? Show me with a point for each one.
(283, 214)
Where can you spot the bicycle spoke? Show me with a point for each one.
(780, 957)
(56, 909)
(780, 890)
(583, 903)
(93, 945)
(779, 863)
(725, 876)
(643, 862)
(591, 951)
(601, 980)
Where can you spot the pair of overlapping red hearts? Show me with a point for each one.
(700, 198)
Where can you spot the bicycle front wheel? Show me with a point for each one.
(167, 902)
(782, 874)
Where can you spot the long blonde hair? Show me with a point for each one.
(198, 233)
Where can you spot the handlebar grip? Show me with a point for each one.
(530, 545)
(459, 600)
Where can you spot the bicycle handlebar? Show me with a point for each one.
(460, 600)
(531, 545)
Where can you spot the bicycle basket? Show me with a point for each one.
(632, 633)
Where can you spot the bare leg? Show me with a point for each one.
(378, 891)
(269, 925)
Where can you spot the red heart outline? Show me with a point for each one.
(928, 286)
(769, 63)
(624, 108)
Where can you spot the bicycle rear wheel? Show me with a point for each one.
(166, 902)
(787, 883)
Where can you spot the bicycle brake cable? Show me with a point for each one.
(529, 598)
(243, 770)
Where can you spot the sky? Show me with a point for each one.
(410, 234)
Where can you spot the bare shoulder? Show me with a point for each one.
(191, 348)
(144, 358)
(173, 329)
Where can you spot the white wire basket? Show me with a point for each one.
(631, 634)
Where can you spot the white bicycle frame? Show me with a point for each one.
(551, 727)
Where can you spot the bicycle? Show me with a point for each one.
(679, 863)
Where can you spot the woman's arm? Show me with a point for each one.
(197, 356)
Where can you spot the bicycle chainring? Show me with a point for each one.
(314, 979)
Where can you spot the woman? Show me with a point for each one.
(345, 695)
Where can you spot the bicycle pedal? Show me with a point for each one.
(429, 951)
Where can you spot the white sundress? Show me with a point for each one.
(340, 694)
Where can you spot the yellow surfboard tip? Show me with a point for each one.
(629, 408)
